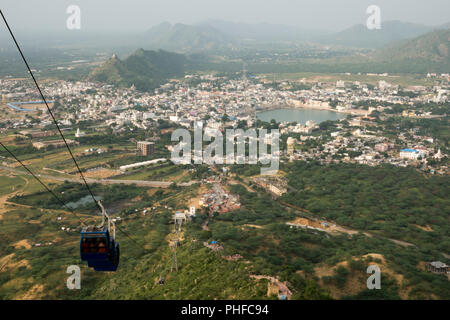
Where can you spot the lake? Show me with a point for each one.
(299, 115)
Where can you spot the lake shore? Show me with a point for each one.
(312, 107)
(299, 115)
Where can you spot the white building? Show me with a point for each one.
(290, 145)
(192, 211)
(79, 133)
(438, 155)
(411, 154)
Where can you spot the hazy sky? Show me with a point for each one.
(131, 15)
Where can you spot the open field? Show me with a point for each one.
(160, 172)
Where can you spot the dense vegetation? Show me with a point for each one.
(258, 232)
(387, 200)
(146, 70)
(71, 193)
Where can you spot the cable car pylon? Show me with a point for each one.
(178, 224)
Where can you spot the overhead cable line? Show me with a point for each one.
(39, 180)
(50, 111)
(53, 194)
(59, 130)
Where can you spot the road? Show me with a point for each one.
(139, 183)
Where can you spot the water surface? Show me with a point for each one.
(299, 115)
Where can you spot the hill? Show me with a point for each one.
(360, 36)
(423, 54)
(432, 47)
(145, 69)
(182, 37)
(312, 263)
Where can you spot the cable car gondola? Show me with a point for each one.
(98, 246)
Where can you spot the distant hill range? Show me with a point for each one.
(213, 35)
(148, 69)
(432, 46)
(217, 34)
(427, 53)
(262, 31)
(391, 31)
(186, 38)
(145, 69)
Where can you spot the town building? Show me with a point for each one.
(79, 133)
(146, 148)
(290, 145)
(411, 154)
(381, 147)
(438, 267)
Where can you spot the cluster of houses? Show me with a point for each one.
(182, 216)
(219, 200)
(276, 185)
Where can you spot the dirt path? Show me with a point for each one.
(139, 183)
(205, 225)
(4, 203)
(332, 227)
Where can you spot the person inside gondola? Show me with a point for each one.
(84, 246)
(101, 246)
(93, 245)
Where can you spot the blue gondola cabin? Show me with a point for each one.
(99, 249)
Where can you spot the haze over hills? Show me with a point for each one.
(145, 69)
(183, 37)
(433, 46)
(263, 31)
(362, 37)
(217, 34)
(423, 54)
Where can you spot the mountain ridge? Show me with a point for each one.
(433, 45)
(263, 31)
(361, 37)
(184, 37)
